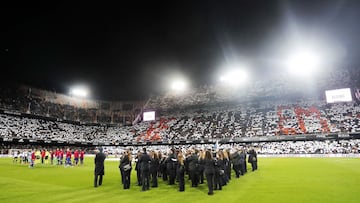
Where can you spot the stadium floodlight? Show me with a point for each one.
(235, 77)
(303, 63)
(79, 91)
(178, 85)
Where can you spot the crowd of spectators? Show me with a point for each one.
(29, 100)
(207, 112)
(218, 122)
(267, 119)
(39, 129)
(310, 147)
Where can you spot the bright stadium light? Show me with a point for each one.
(174, 80)
(79, 91)
(235, 77)
(303, 63)
(178, 85)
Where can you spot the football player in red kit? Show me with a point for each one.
(32, 160)
(68, 158)
(42, 156)
(61, 153)
(76, 157)
(82, 157)
(52, 154)
(57, 155)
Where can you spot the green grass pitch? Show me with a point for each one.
(277, 180)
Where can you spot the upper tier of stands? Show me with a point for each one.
(49, 104)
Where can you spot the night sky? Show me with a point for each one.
(126, 51)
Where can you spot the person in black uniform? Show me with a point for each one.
(171, 166)
(159, 169)
(235, 159)
(209, 171)
(245, 164)
(193, 161)
(125, 167)
(227, 166)
(163, 167)
(144, 162)
(154, 167)
(242, 162)
(99, 167)
(201, 166)
(219, 170)
(217, 185)
(186, 163)
(138, 168)
(121, 168)
(253, 159)
(181, 172)
(227, 157)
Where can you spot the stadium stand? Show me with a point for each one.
(269, 108)
(310, 147)
(216, 123)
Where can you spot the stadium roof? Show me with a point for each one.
(125, 51)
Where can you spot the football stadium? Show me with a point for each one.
(247, 101)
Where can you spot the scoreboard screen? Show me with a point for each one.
(338, 95)
(149, 116)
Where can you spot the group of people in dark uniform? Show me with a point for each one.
(198, 164)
